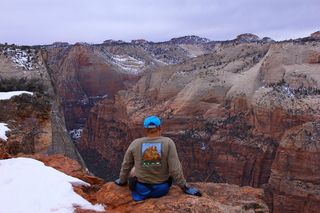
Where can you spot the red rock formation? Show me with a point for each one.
(315, 34)
(227, 112)
(4, 149)
(295, 176)
(216, 198)
(78, 87)
(247, 35)
(139, 41)
(28, 117)
(113, 42)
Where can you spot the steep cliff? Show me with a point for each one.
(37, 121)
(228, 112)
(295, 177)
(87, 73)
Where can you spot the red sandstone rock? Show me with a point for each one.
(295, 176)
(216, 198)
(315, 34)
(28, 118)
(3, 149)
(227, 112)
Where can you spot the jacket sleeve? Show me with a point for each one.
(175, 167)
(128, 163)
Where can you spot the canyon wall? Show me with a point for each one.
(229, 113)
(36, 121)
(85, 73)
(240, 112)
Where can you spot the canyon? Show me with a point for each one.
(242, 112)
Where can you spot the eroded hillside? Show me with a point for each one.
(227, 111)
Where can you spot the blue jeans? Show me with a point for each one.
(142, 192)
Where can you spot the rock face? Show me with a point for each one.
(295, 175)
(28, 117)
(216, 198)
(85, 74)
(242, 112)
(36, 122)
(227, 111)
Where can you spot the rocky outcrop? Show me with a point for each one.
(315, 34)
(189, 40)
(28, 118)
(216, 197)
(247, 35)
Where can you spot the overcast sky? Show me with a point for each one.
(32, 22)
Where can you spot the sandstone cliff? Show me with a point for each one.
(295, 171)
(37, 121)
(235, 110)
(228, 112)
(86, 73)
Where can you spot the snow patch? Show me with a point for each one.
(8, 95)
(75, 134)
(3, 130)
(28, 186)
(288, 90)
(128, 63)
(22, 57)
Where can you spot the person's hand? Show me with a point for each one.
(192, 191)
(118, 182)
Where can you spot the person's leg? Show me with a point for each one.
(141, 192)
(160, 190)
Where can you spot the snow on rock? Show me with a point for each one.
(128, 63)
(3, 130)
(8, 95)
(27, 185)
(22, 57)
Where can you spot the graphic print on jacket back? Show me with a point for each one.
(151, 154)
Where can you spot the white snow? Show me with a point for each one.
(8, 95)
(22, 58)
(28, 186)
(3, 129)
(128, 63)
(288, 90)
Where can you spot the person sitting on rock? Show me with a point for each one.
(153, 161)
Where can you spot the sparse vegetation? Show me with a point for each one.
(22, 84)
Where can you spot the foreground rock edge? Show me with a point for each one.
(217, 197)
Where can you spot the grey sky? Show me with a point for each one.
(31, 22)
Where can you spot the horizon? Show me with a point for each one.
(151, 41)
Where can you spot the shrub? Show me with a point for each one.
(22, 84)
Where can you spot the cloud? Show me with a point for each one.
(44, 22)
